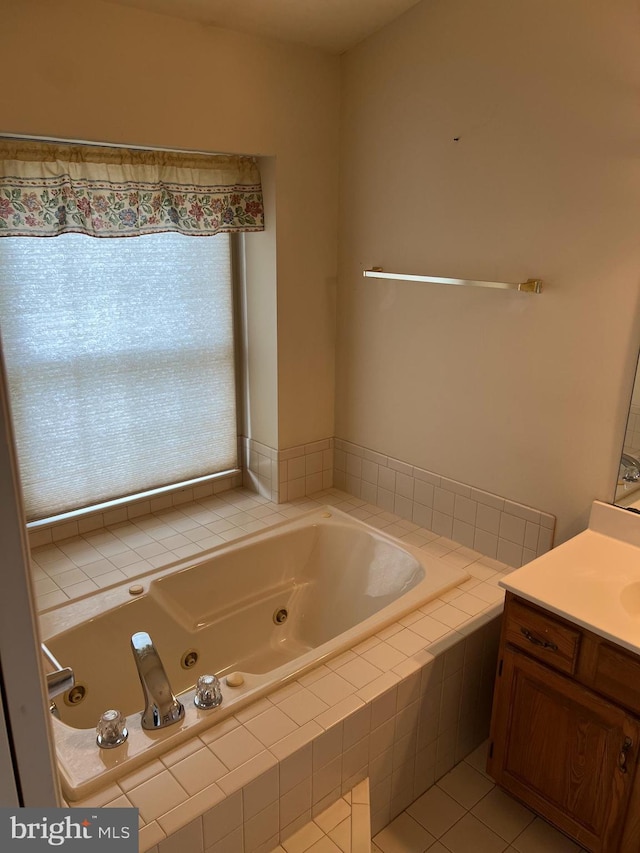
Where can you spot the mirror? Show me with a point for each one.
(627, 492)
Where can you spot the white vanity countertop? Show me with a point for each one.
(593, 579)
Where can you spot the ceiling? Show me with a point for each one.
(331, 25)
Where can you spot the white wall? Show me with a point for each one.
(100, 72)
(524, 396)
(260, 322)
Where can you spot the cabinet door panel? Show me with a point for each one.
(557, 747)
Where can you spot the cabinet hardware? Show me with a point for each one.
(546, 644)
(622, 758)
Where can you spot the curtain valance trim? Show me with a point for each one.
(25, 150)
(125, 193)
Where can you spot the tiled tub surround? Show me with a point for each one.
(344, 827)
(492, 525)
(402, 707)
(253, 780)
(335, 579)
(290, 474)
(259, 468)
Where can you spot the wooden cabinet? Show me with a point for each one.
(564, 732)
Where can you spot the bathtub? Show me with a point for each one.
(269, 606)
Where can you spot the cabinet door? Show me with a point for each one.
(562, 750)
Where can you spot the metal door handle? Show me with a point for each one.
(622, 758)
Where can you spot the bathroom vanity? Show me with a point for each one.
(565, 730)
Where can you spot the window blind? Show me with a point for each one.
(120, 362)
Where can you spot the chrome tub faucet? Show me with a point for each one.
(161, 706)
(629, 469)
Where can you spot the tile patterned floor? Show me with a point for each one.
(465, 812)
(342, 828)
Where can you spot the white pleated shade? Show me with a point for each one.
(120, 360)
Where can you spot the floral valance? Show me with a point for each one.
(50, 189)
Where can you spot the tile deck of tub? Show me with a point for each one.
(73, 559)
(278, 762)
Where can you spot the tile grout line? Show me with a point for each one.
(562, 840)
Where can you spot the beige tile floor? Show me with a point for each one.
(342, 828)
(465, 812)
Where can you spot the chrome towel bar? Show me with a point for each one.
(532, 285)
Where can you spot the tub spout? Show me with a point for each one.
(161, 706)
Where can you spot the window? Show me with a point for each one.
(119, 351)
(120, 361)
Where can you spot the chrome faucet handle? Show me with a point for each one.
(111, 730)
(208, 692)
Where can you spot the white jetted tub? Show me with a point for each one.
(269, 606)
